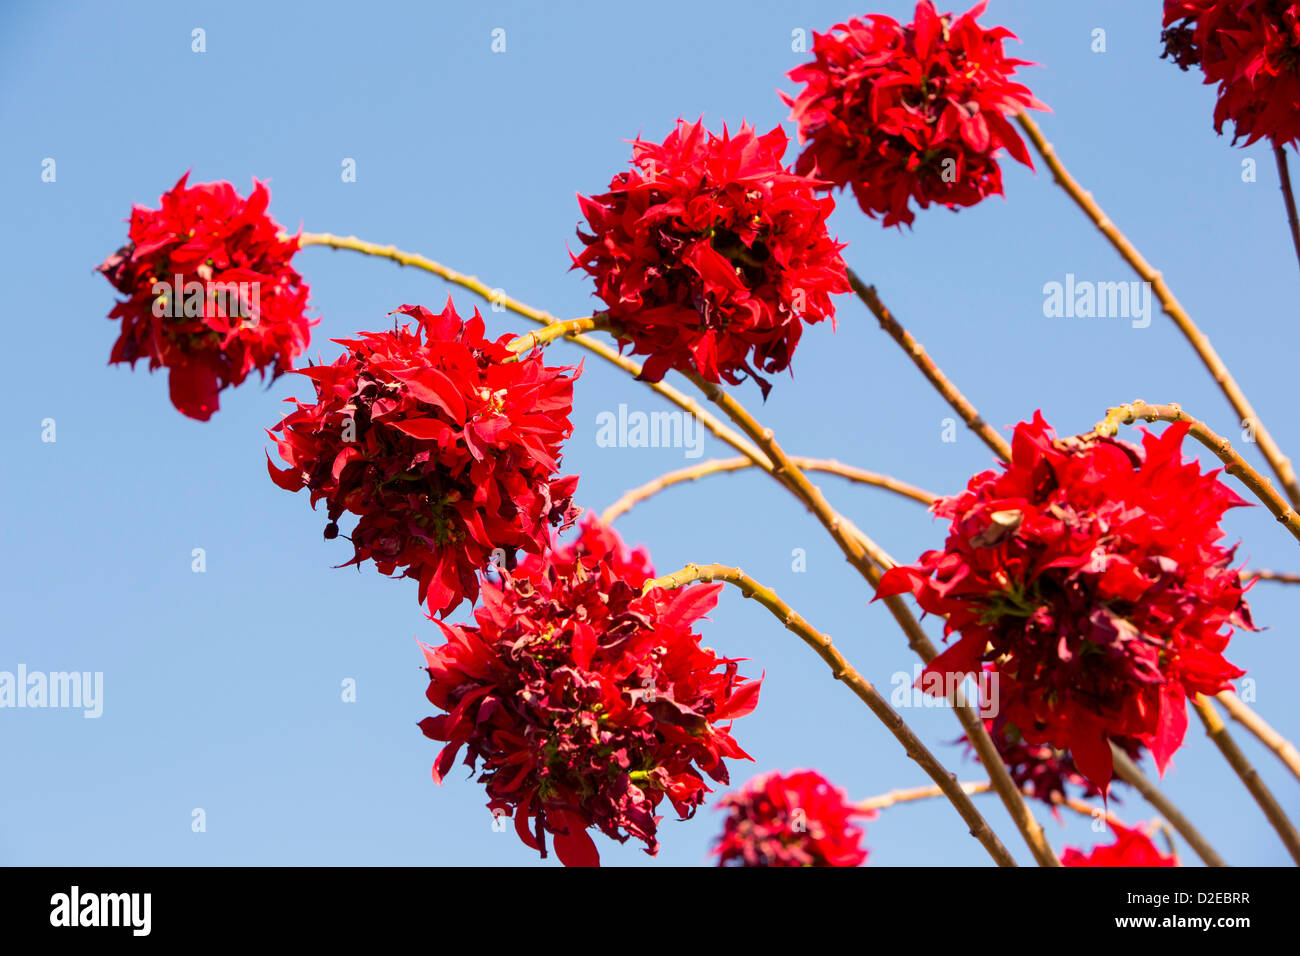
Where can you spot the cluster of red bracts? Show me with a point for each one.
(1088, 574)
(445, 445)
(583, 702)
(1251, 49)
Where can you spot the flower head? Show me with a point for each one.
(916, 112)
(795, 819)
(1251, 49)
(710, 254)
(1132, 847)
(583, 702)
(441, 442)
(210, 292)
(1088, 573)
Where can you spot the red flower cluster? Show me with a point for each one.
(1251, 48)
(910, 112)
(1132, 847)
(586, 701)
(442, 442)
(1089, 575)
(211, 295)
(790, 820)
(710, 254)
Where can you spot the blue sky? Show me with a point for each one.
(222, 689)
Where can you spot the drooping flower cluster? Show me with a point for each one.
(1089, 574)
(1132, 847)
(442, 443)
(583, 702)
(710, 255)
(796, 819)
(210, 292)
(916, 112)
(1251, 49)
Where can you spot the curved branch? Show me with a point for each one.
(1270, 738)
(1235, 465)
(912, 794)
(1281, 577)
(556, 330)
(1288, 197)
(1129, 772)
(867, 557)
(844, 672)
(951, 394)
(1217, 732)
(1280, 464)
(716, 466)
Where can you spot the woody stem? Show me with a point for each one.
(951, 394)
(1260, 486)
(1217, 732)
(842, 671)
(1288, 197)
(715, 466)
(1277, 461)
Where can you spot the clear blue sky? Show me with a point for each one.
(222, 689)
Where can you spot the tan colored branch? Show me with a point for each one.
(1279, 463)
(844, 672)
(868, 558)
(1281, 577)
(1240, 763)
(1129, 772)
(951, 394)
(555, 330)
(1288, 197)
(1270, 738)
(1234, 464)
(716, 466)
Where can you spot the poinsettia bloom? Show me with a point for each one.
(710, 254)
(1088, 573)
(1251, 49)
(210, 292)
(584, 703)
(1132, 847)
(796, 819)
(916, 112)
(441, 442)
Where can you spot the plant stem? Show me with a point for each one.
(1128, 771)
(554, 330)
(857, 548)
(1288, 197)
(844, 672)
(1280, 464)
(1260, 486)
(1270, 738)
(951, 394)
(716, 466)
(1217, 732)
(1281, 577)
(912, 794)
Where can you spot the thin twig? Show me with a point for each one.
(1270, 738)
(555, 330)
(1128, 771)
(1281, 577)
(912, 794)
(844, 672)
(1288, 197)
(1280, 464)
(951, 394)
(716, 466)
(1235, 465)
(858, 549)
(1239, 762)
